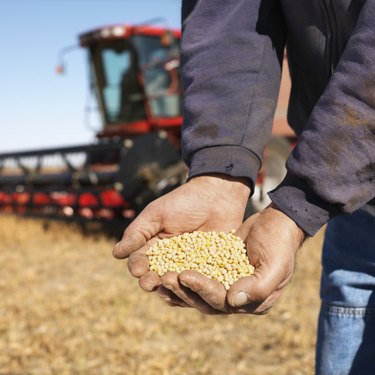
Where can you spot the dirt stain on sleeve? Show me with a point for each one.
(210, 131)
(352, 117)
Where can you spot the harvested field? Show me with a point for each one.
(68, 307)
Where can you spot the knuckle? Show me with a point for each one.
(130, 265)
(217, 303)
(151, 207)
(137, 265)
(147, 284)
(130, 243)
(127, 232)
(169, 278)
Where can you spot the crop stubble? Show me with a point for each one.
(68, 307)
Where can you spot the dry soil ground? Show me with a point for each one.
(68, 307)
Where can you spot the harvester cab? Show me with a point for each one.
(134, 72)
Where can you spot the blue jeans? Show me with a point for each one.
(346, 331)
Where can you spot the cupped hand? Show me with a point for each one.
(272, 240)
(205, 203)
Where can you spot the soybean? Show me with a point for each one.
(220, 256)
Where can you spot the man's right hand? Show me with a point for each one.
(205, 203)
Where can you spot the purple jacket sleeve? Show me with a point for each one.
(332, 169)
(231, 55)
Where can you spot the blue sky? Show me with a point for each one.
(39, 109)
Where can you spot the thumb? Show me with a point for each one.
(245, 228)
(146, 226)
(258, 287)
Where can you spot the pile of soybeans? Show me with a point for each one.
(218, 255)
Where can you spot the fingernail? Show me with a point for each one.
(240, 299)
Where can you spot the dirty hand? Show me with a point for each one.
(214, 202)
(272, 240)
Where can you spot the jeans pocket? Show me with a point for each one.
(346, 344)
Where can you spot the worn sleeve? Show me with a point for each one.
(332, 169)
(231, 56)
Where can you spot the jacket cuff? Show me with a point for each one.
(298, 201)
(233, 161)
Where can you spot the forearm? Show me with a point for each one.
(332, 169)
(231, 66)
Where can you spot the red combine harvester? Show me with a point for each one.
(134, 73)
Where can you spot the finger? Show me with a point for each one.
(138, 264)
(170, 281)
(211, 291)
(170, 298)
(146, 226)
(131, 241)
(150, 281)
